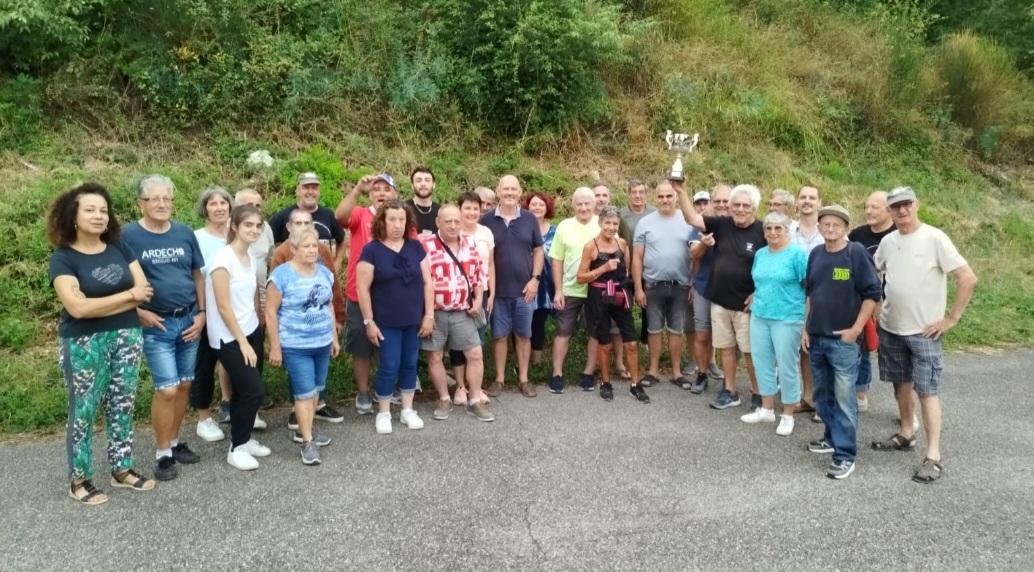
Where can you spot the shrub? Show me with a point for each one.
(21, 112)
(986, 93)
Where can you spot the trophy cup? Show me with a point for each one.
(680, 143)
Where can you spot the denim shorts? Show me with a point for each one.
(511, 315)
(701, 313)
(666, 304)
(914, 358)
(307, 370)
(170, 359)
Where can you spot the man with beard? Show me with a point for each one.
(425, 209)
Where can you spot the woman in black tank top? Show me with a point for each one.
(604, 267)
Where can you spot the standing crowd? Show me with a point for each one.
(799, 303)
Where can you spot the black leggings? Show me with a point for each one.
(538, 328)
(204, 374)
(246, 382)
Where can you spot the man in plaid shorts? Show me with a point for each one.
(916, 260)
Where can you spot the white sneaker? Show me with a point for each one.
(759, 415)
(255, 449)
(785, 427)
(383, 423)
(863, 403)
(240, 458)
(209, 430)
(409, 418)
(259, 423)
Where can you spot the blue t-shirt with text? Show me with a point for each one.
(168, 260)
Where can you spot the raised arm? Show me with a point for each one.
(693, 218)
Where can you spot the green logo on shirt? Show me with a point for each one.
(841, 274)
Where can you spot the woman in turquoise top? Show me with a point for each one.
(776, 321)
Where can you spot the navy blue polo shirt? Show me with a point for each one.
(514, 243)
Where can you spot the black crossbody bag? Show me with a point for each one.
(480, 320)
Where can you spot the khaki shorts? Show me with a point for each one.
(730, 328)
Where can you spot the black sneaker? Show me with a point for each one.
(700, 385)
(556, 384)
(223, 415)
(182, 454)
(329, 414)
(755, 402)
(588, 383)
(607, 391)
(639, 393)
(165, 469)
(821, 446)
(292, 421)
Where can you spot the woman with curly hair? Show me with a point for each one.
(99, 283)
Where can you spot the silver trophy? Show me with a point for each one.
(680, 143)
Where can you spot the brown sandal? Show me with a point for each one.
(527, 389)
(86, 493)
(897, 442)
(130, 479)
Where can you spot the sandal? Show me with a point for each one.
(929, 471)
(805, 407)
(649, 380)
(625, 375)
(86, 493)
(681, 382)
(898, 442)
(130, 479)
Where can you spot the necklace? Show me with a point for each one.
(421, 211)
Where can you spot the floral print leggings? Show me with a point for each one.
(104, 366)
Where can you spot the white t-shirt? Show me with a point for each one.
(242, 297)
(210, 246)
(807, 243)
(916, 267)
(262, 250)
(484, 240)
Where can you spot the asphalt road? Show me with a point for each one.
(564, 482)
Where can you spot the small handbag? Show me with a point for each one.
(871, 340)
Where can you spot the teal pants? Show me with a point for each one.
(100, 367)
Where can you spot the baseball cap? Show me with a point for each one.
(702, 196)
(900, 195)
(386, 178)
(837, 211)
(308, 178)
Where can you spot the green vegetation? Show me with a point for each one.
(851, 96)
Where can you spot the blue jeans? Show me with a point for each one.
(170, 359)
(834, 370)
(399, 351)
(306, 370)
(864, 371)
(776, 344)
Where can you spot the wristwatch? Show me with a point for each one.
(537, 277)
(367, 322)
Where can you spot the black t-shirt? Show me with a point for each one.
(837, 283)
(323, 222)
(99, 275)
(426, 222)
(731, 283)
(870, 240)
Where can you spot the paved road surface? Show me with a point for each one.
(563, 483)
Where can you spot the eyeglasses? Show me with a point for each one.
(742, 206)
(776, 204)
(157, 200)
(771, 228)
(903, 205)
(302, 222)
(833, 225)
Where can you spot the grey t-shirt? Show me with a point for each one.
(665, 240)
(631, 220)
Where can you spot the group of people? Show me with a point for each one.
(794, 300)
